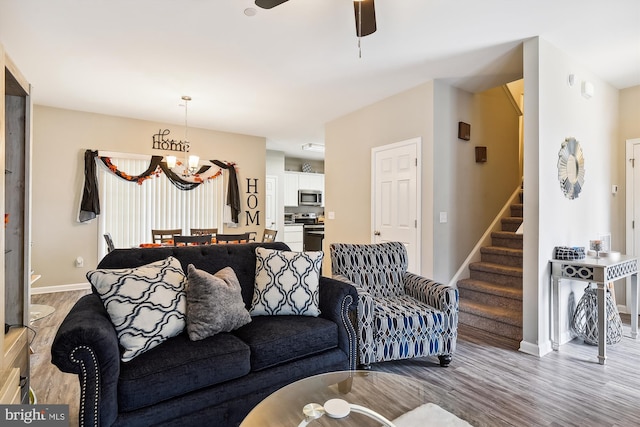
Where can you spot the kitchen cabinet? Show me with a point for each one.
(294, 237)
(294, 181)
(311, 181)
(290, 189)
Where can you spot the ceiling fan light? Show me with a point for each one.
(319, 148)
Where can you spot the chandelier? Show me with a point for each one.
(190, 165)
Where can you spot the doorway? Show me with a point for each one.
(632, 230)
(396, 197)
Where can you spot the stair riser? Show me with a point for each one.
(490, 300)
(492, 326)
(511, 261)
(501, 279)
(516, 211)
(506, 242)
(510, 226)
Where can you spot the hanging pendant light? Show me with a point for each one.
(191, 163)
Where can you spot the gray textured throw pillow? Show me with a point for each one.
(214, 303)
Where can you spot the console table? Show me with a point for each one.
(599, 271)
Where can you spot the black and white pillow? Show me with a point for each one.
(286, 283)
(147, 304)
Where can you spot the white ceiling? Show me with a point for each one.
(285, 72)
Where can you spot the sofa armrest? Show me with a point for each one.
(86, 344)
(364, 323)
(336, 302)
(439, 296)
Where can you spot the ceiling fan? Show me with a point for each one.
(364, 10)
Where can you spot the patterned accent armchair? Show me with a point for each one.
(400, 314)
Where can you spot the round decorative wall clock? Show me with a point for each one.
(571, 168)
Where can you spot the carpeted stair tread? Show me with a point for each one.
(501, 250)
(493, 327)
(490, 288)
(501, 255)
(513, 219)
(507, 239)
(499, 314)
(511, 224)
(507, 235)
(490, 267)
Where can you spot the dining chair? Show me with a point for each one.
(163, 236)
(233, 238)
(109, 240)
(203, 239)
(201, 231)
(269, 235)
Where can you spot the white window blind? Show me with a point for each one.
(130, 211)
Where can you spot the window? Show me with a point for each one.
(129, 211)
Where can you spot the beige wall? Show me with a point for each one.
(471, 193)
(60, 138)
(553, 112)
(630, 113)
(348, 144)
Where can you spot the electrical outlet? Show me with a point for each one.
(79, 262)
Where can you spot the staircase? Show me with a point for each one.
(491, 298)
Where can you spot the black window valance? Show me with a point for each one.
(90, 204)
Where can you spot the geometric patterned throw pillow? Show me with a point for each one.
(146, 304)
(286, 283)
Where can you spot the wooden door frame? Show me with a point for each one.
(417, 142)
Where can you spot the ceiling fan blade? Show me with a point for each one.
(366, 16)
(268, 4)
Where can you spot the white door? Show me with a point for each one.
(271, 202)
(396, 197)
(632, 223)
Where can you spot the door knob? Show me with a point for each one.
(376, 233)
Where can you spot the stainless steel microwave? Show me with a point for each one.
(309, 198)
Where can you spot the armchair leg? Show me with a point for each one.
(445, 359)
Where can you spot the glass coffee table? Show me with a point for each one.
(389, 395)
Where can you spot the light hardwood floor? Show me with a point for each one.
(489, 383)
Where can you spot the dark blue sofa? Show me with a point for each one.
(212, 382)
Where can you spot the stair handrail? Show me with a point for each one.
(485, 240)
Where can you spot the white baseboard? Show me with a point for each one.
(37, 290)
(535, 349)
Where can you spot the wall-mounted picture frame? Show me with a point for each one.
(481, 154)
(464, 131)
